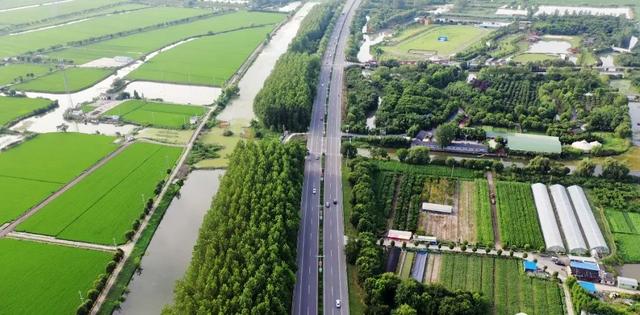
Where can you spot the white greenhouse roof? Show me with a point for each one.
(568, 221)
(436, 207)
(550, 230)
(587, 221)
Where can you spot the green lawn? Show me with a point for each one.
(94, 27)
(12, 73)
(137, 45)
(27, 177)
(76, 79)
(210, 60)
(45, 279)
(145, 113)
(103, 206)
(417, 46)
(16, 108)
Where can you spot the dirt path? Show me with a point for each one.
(52, 240)
(494, 211)
(11, 227)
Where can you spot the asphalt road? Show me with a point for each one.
(328, 100)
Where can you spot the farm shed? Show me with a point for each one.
(585, 270)
(568, 221)
(529, 266)
(550, 230)
(431, 240)
(588, 286)
(426, 206)
(399, 235)
(627, 283)
(588, 222)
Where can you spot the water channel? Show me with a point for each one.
(241, 108)
(170, 250)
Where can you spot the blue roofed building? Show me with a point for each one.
(588, 286)
(585, 270)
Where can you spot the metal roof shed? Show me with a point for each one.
(568, 221)
(587, 221)
(399, 235)
(427, 206)
(550, 230)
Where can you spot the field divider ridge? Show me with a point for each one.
(52, 240)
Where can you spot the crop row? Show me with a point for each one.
(517, 215)
(430, 170)
(386, 186)
(408, 202)
(484, 227)
(518, 92)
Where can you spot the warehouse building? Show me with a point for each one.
(585, 270)
(592, 232)
(568, 221)
(550, 230)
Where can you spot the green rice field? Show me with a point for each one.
(41, 278)
(421, 45)
(12, 73)
(53, 11)
(15, 108)
(503, 282)
(76, 79)
(210, 60)
(103, 206)
(138, 45)
(93, 27)
(26, 177)
(145, 113)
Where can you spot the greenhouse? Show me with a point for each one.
(550, 231)
(568, 221)
(588, 222)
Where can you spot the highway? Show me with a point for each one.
(305, 295)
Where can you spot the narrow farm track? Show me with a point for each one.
(52, 240)
(494, 211)
(11, 227)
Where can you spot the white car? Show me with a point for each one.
(314, 191)
(338, 304)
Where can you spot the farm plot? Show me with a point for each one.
(501, 280)
(626, 233)
(13, 109)
(407, 264)
(105, 204)
(440, 191)
(26, 177)
(145, 113)
(45, 279)
(53, 12)
(95, 27)
(430, 170)
(137, 45)
(67, 80)
(442, 41)
(210, 60)
(15, 73)
(517, 215)
(484, 222)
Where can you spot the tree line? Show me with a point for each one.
(244, 260)
(286, 100)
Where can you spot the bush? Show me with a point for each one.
(111, 266)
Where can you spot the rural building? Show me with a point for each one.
(568, 221)
(398, 235)
(550, 230)
(585, 270)
(426, 206)
(608, 278)
(529, 266)
(534, 143)
(431, 240)
(627, 283)
(590, 227)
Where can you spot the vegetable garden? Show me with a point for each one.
(501, 281)
(517, 215)
(484, 227)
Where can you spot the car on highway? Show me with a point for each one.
(338, 303)
(335, 201)
(327, 204)
(314, 191)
